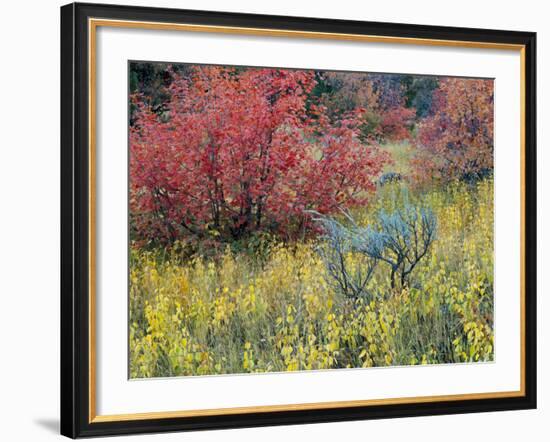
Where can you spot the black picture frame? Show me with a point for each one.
(75, 221)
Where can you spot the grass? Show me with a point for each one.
(240, 314)
(401, 154)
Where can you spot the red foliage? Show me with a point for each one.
(457, 140)
(236, 152)
(395, 123)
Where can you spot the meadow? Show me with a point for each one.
(237, 314)
(287, 219)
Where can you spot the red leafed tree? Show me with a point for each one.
(457, 140)
(240, 150)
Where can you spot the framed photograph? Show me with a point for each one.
(272, 220)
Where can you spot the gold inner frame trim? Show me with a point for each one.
(93, 24)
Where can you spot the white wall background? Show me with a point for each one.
(29, 220)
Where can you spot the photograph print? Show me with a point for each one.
(288, 219)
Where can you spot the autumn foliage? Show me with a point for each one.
(456, 141)
(239, 150)
(275, 225)
(386, 117)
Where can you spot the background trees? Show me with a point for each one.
(388, 115)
